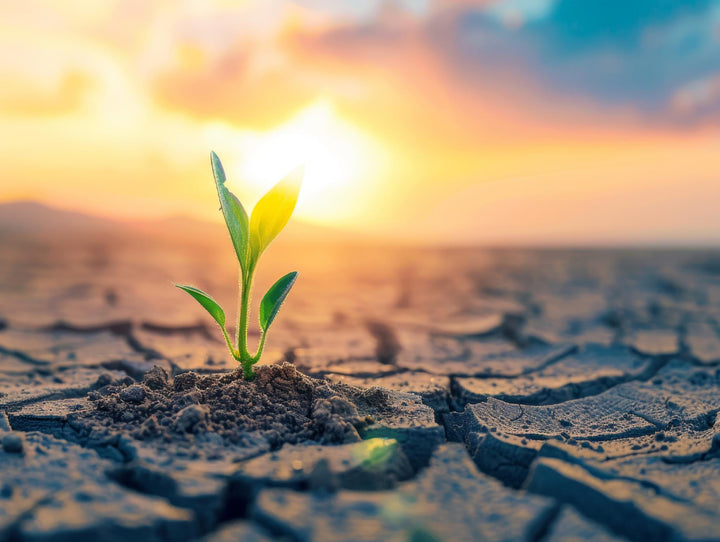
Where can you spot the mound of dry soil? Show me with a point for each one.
(281, 404)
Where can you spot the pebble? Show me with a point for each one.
(13, 443)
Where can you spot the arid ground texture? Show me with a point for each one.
(434, 394)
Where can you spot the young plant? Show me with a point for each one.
(250, 238)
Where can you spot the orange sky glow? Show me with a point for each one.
(406, 129)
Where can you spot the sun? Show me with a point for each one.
(339, 162)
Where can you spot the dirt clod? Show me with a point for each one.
(156, 378)
(190, 417)
(133, 394)
(185, 381)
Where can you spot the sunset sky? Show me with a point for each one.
(519, 121)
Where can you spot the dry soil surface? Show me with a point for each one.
(433, 395)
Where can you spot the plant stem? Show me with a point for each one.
(257, 355)
(247, 370)
(246, 360)
(234, 352)
(241, 287)
(243, 324)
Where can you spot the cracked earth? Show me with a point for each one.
(433, 395)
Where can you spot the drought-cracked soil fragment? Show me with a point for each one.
(54, 490)
(590, 371)
(627, 507)
(673, 413)
(449, 500)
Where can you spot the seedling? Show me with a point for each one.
(250, 239)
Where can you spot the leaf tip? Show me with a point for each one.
(184, 287)
(217, 168)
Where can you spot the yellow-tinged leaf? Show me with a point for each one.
(272, 212)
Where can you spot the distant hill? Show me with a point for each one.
(37, 219)
(34, 217)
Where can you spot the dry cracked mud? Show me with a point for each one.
(466, 395)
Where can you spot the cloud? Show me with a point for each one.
(225, 88)
(66, 96)
(507, 69)
(634, 54)
(460, 64)
(701, 97)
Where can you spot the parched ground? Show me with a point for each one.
(442, 395)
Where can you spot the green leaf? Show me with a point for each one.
(272, 212)
(236, 218)
(208, 302)
(270, 304)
